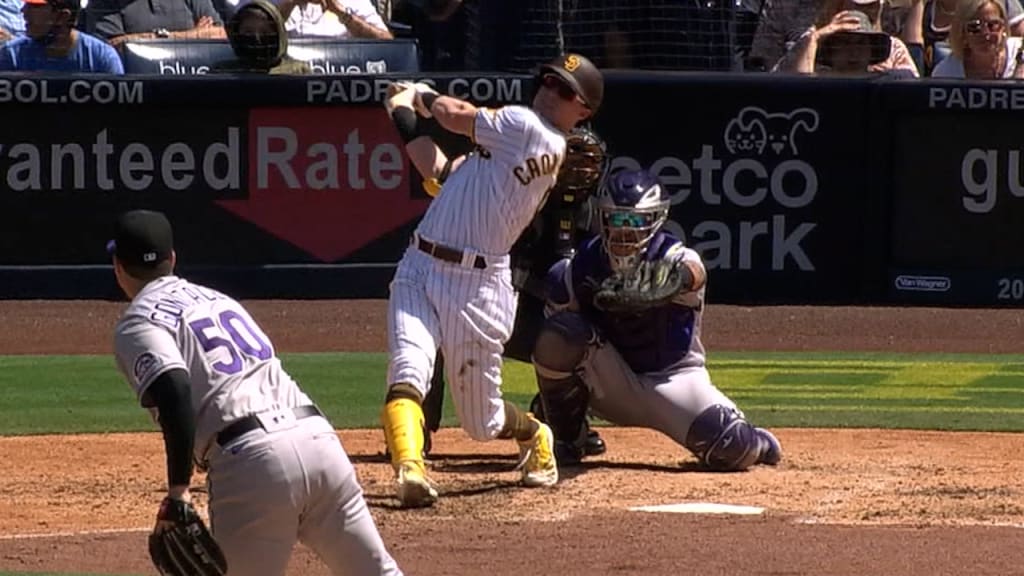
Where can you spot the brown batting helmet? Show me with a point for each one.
(580, 74)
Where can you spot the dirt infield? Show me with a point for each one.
(863, 502)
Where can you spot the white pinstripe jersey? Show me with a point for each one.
(173, 323)
(490, 199)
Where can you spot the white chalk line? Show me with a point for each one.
(710, 508)
(65, 534)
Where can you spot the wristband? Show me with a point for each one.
(405, 121)
(446, 170)
(428, 99)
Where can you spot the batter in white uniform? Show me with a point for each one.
(210, 376)
(452, 289)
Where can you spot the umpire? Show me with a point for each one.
(555, 231)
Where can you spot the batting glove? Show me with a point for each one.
(400, 94)
(422, 88)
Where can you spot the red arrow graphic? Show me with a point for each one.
(327, 180)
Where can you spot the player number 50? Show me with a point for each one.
(230, 321)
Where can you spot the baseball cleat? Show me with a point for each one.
(594, 444)
(771, 452)
(414, 489)
(537, 459)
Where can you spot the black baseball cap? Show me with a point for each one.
(142, 238)
(581, 75)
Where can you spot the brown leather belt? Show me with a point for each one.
(251, 422)
(447, 254)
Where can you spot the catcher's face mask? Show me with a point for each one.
(626, 232)
(632, 207)
(585, 163)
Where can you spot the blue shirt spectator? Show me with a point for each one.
(11, 21)
(87, 54)
(51, 43)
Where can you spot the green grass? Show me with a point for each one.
(60, 394)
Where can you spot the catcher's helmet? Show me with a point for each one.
(586, 160)
(632, 206)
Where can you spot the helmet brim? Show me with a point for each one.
(566, 77)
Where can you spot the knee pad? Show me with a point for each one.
(562, 344)
(723, 440)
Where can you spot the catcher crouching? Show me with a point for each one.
(622, 337)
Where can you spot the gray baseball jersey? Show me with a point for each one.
(289, 479)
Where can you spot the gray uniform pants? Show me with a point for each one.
(271, 489)
(668, 401)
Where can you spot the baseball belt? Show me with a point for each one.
(447, 254)
(252, 422)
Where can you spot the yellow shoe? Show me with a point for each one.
(403, 431)
(537, 458)
(414, 489)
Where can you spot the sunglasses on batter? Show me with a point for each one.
(978, 26)
(565, 92)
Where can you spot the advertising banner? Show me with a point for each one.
(309, 194)
(324, 56)
(957, 194)
(759, 185)
(794, 190)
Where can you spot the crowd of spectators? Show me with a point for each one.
(976, 39)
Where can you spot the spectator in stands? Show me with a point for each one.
(982, 48)
(51, 43)
(120, 21)
(333, 19)
(260, 43)
(11, 21)
(902, 19)
(938, 19)
(783, 22)
(843, 39)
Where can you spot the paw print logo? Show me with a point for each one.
(755, 131)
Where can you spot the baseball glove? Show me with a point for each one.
(649, 284)
(182, 545)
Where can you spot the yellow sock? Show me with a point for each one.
(403, 430)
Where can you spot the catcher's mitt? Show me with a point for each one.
(184, 547)
(649, 284)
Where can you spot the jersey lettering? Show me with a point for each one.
(171, 306)
(206, 331)
(543, 165)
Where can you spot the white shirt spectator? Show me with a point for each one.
(953, 67)
(311, 20)
(12, 23)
